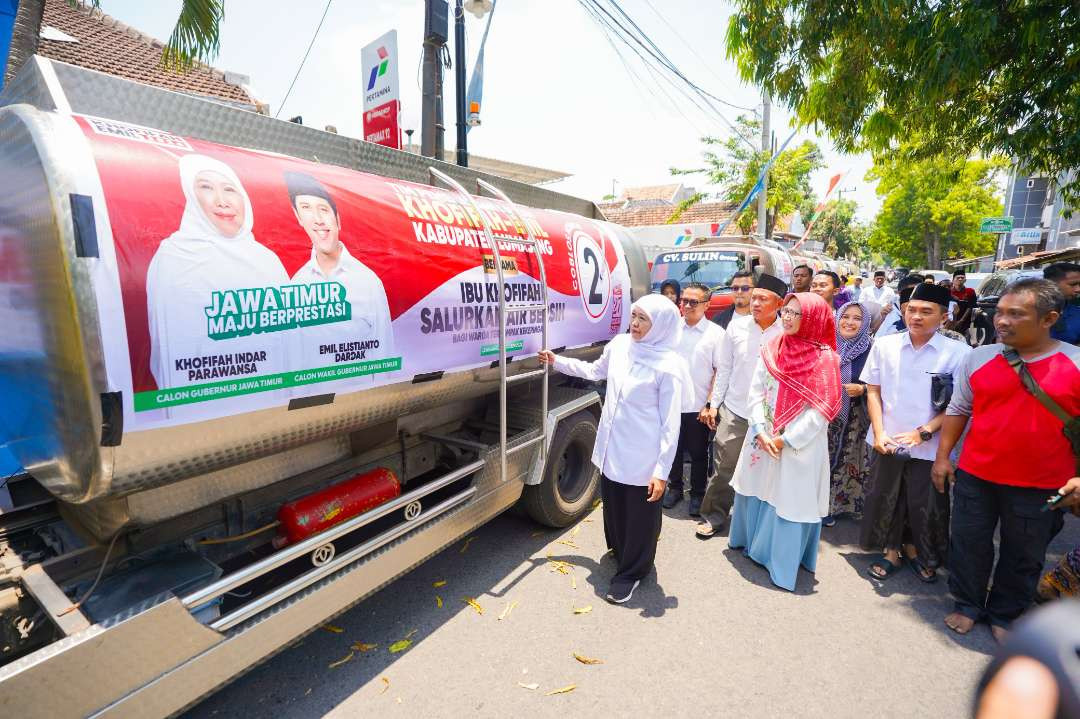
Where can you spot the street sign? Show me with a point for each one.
(1027, 236)
(996, 224)
(379, 63)
(381, 125)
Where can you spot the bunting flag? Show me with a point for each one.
(833, 182)
(757, 185)
(475, 93)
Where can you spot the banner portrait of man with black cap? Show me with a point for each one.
(908, 377)
(367, 334)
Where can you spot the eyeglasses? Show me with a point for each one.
(691, 303)
(790, 313)
(742, 288)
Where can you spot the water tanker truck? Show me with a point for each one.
(254, 372)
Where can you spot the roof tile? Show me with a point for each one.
(107, 45)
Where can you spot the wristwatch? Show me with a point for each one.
(924, 434)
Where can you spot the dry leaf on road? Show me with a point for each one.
(386, 685)
(332, 629)
(530, 687)
(438, 601)
(583, 610)
(364, 648)
(507, 609)
(400, 645)
(474, 604)
(466, 545)
(440, 583)
(563, 690)
(587, 660)
(341, 661)
(577, 529)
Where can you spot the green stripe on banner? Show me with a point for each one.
(262, 383)
(487, 350)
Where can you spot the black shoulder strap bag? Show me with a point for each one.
(1071, 427)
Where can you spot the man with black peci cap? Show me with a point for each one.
(880, 293)
(367, 334)
(737, 354)
(908, 378)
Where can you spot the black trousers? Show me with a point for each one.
(693, 440)
(978, 508)
(631, 528)
(902, 506)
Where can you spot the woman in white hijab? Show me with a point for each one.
(213, 250)
(648, 385)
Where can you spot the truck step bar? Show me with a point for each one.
(413, 520)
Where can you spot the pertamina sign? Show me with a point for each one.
(381, 97)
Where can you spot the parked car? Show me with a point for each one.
(714, 265)
(976, 279)
(989, 292)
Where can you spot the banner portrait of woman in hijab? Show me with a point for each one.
(648, 385)
(213, 251)
(782, 480)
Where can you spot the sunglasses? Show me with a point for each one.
(691, 303)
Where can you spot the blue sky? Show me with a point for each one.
(556, 94)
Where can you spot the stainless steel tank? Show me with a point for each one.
(60, 306)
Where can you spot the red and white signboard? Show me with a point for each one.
(379, 61)
(381, 125)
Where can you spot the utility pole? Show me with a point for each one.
(766, 137)
(431, 115)
(459, 81)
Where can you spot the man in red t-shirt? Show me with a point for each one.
(1014, 457)
(965, 299)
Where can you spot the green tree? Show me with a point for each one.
(838, 230)
(734, 167)
(196, 36)
(932, 207)
(964, 76)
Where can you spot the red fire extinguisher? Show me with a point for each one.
(316, 512)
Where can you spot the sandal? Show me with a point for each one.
(886, 566)
(705, 530)
(921, 570)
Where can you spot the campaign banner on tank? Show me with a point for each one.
(251, 280)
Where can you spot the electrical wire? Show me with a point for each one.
(609, 27)
(704, 62)
(304, 60)
(641, 39)
(240, 537)
(101, 571)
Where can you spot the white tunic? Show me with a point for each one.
(737, 353)
(639, 426)
(797, 484)
(883, 296)
(323, 345)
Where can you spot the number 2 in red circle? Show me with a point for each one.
(594, 277)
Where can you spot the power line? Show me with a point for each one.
(306, 53)
(607, 32)
(674, 69)
(625, 35)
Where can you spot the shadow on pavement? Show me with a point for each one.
(485, 569)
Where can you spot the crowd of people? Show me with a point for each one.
(800, 405)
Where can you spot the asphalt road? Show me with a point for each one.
(706, 635)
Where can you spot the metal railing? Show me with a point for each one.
(504, 381)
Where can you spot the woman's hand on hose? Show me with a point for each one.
(656, 489)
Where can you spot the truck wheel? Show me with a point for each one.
(570, 479)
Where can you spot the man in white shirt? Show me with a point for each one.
(907, 407)
(364, 336)
(737, 354)
(880, 294)
(697, 347)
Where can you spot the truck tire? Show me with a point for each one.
(570, 480)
